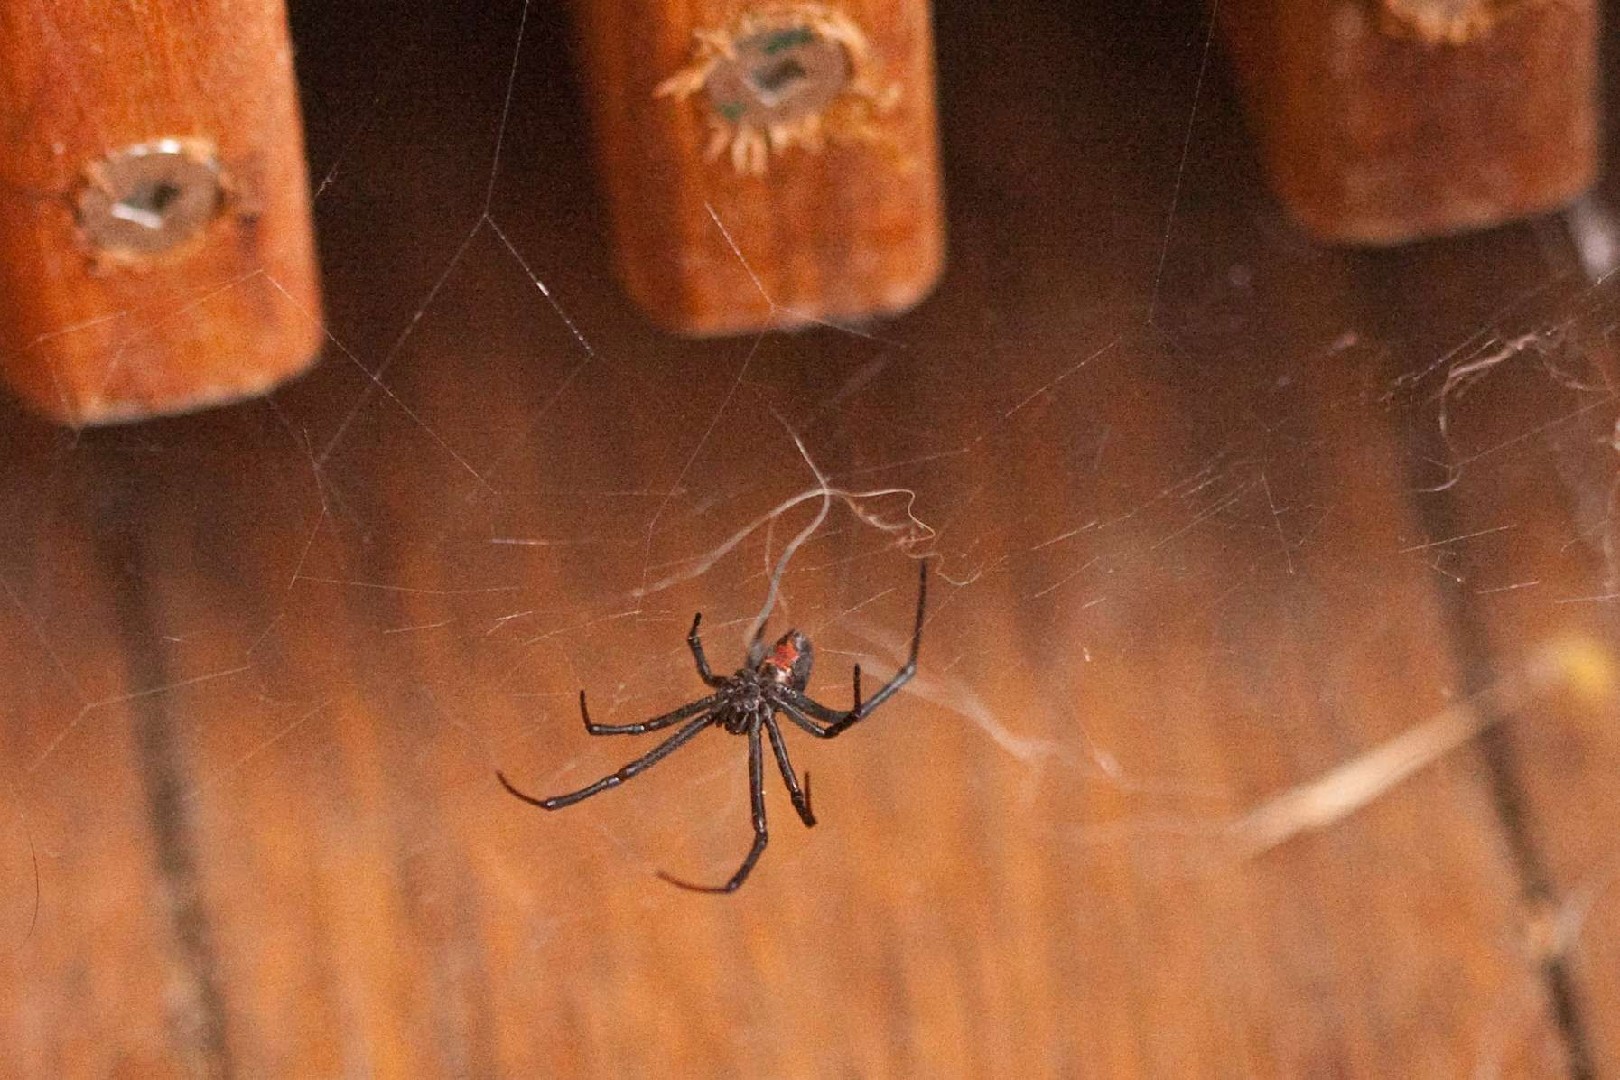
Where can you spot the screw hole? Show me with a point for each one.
(147, 206)
(778, 81)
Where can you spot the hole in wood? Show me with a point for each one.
(147, 206)
(778, 81)
(778, 76)
(149, 198)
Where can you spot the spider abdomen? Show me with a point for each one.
(790, 661)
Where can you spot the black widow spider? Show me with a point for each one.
(745, 704)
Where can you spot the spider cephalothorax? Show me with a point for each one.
(747, 703)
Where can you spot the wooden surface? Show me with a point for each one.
(1212, 511)
(96, 327)
(838, 206)
(1381, 123)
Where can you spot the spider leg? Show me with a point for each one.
(801, 798)
(863, 709)
(805, 710)
(696, 643)
(798, 715)
(810, 707)
(672, 717)
(756, 788)
(904, 675)
(641, 764)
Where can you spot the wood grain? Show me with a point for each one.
(94, 333)
(263, 662)
(1526, 462)
(1380, 123)
(713, 232)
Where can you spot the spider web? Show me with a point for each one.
(503, 485)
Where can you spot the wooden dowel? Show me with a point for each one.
(766, 165)
(1381, 121)
(157, 254)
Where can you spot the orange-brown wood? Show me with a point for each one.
(262, 663)
(766, 164)
(1388, 121)
(157, 255)
(1519, 446)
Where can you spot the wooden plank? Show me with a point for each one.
(105, 943)
(433, 912)
(158, 256)
(1381, 123)
(1518, 424)
(802, 135)
(1171, 582)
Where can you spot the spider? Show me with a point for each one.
(746, 703)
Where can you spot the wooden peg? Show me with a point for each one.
(157, 255)
(768, 164)
(1390, 120)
